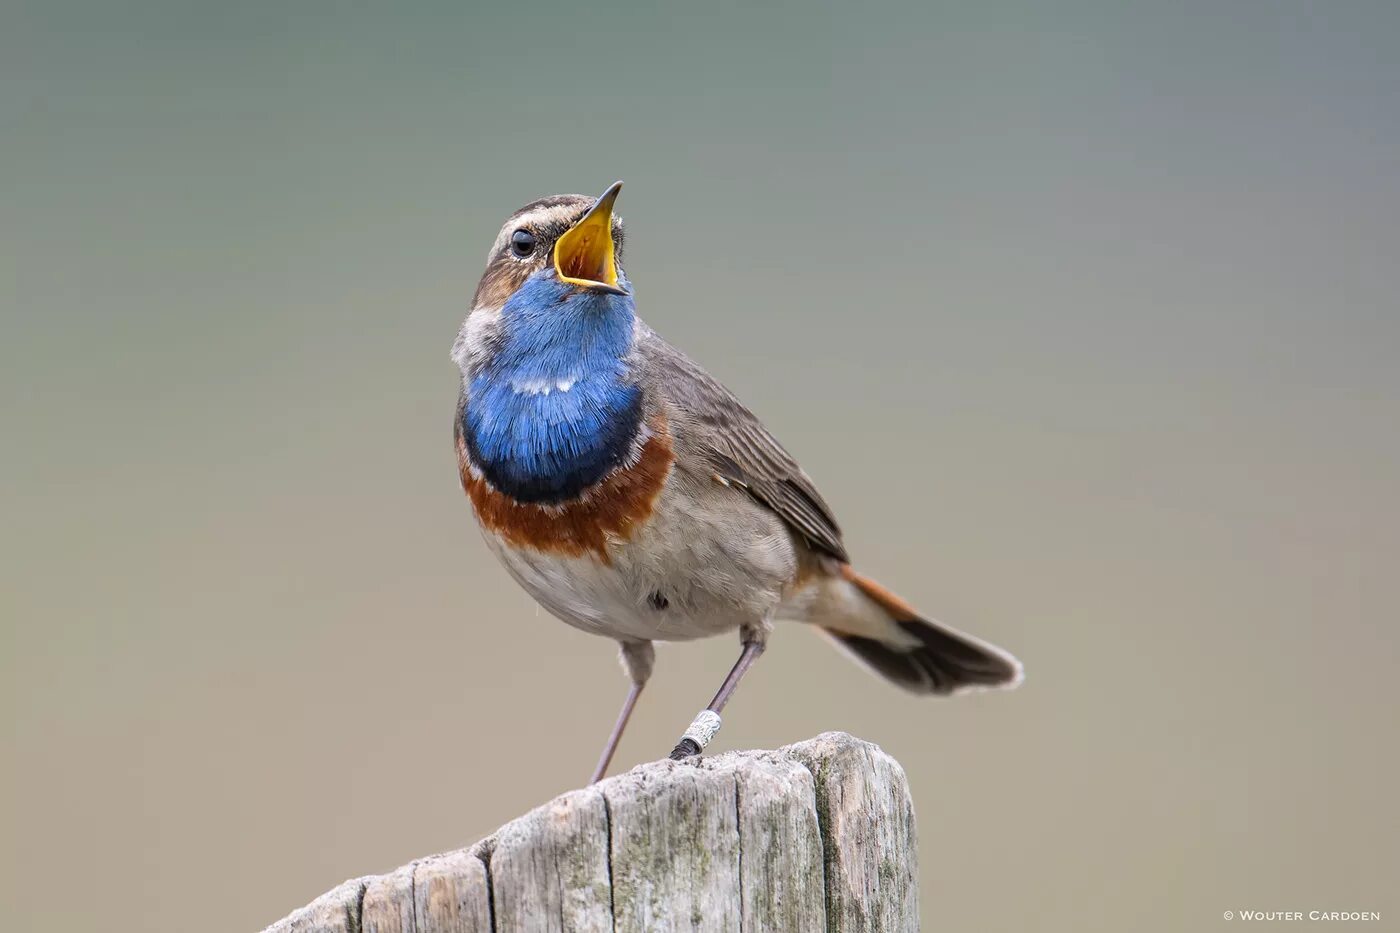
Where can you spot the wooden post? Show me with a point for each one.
(816, 836)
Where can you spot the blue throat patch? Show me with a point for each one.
(553, 412)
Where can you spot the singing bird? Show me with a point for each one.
(633, 496)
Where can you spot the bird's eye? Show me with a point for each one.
(522, 243)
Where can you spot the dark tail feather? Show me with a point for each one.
(943, 662)
(933, 659)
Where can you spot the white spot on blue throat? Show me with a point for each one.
(542, 386)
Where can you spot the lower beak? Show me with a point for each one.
(584, 254)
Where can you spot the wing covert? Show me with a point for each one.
(737, 447)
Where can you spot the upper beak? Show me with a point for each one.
(584, 254)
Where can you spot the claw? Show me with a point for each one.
(685, 748)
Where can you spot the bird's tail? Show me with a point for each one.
(885, 633)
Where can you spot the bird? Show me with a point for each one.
(635, 497)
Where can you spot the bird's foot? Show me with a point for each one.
(702, 730)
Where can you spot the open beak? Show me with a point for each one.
(584, 255)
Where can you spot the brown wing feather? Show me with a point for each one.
(735, 444)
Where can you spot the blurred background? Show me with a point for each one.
(1085, 321)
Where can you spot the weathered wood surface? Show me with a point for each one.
(816, 836)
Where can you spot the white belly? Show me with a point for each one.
(691, 571)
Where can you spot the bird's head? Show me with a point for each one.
(553, 287)
(567, 243)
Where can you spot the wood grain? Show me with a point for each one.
(818, 836)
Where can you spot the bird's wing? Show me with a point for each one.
(736, 446)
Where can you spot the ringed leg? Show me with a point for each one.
(707, 723)
(637, 659)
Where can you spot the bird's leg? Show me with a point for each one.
(707, 723)
(637, 659)
(616, 735)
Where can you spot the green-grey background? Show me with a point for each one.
(1084, 317)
